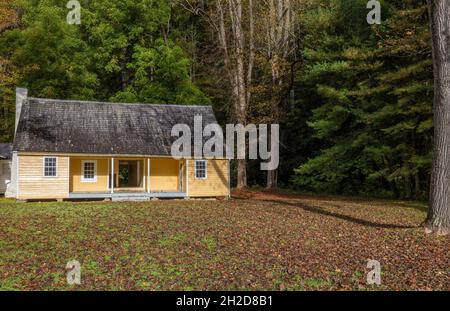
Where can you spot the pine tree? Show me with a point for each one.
(372, 119)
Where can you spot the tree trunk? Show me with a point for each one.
(241, 174)
(272, 180)
(438, 219)
(416, 186)
(279, 42)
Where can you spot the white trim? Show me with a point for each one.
(68, 173)
(56, 166)
(17, 175)
(87, 180)
(206, 169)
(102, 155)
(112, 175)
(229, 178)
(148, 174)
(144, 176)
(187, 178)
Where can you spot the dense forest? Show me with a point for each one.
(354, 101)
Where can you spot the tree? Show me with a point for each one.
(53, 59)
(123, 51)
(137, 58)
(438, 219)
(9, 74)
(276, 34)
(238, 60)
(233, 24)
(369, 92)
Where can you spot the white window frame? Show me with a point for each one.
(206, 169)
(89, 180)
(56, 166)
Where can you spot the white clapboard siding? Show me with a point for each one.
(33, 185)
(216, 182)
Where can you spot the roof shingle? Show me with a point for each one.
(62, 126)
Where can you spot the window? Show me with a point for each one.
(200, 169)
(89, 173)
(50, 167)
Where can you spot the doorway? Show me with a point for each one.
(130, 175)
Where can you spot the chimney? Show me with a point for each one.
(21, 96)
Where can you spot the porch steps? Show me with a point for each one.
(134, 198)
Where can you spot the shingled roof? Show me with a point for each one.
(6, 151)
(62, 126)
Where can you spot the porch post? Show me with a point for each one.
(68, 185)
(187, 178)
(148, 175)
(229, 179)
(144, 176)
(112, 175)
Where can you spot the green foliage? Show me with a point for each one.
(125, 51)
(372, 94)
(54, 60)
(169, 81)
(136, 56)
(362, 120)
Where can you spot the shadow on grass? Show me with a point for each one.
(320, 211)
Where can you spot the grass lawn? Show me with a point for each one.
(254, 241)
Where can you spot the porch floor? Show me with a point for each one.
(125, 195)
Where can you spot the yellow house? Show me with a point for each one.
(95, 150)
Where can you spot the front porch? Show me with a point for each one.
(126, 196)
(127, 178)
